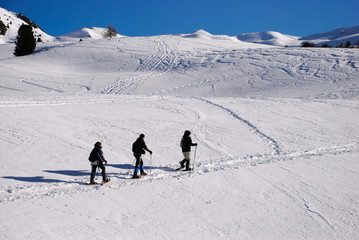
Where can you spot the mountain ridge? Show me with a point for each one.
(332, 38)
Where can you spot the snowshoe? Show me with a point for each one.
(177, 169)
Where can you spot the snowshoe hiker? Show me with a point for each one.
(186, 143)
(138, 148)
(97, 159)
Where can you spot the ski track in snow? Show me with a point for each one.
(162, 60)
(302, 203)
(40, 86)
(121, 180)
(274, 145)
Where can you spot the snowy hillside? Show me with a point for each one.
(335, 37)
(270, 38)
(277, 132)
(12, 21)
(180, 66)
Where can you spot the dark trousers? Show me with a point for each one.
(139, 161)
(94, 168)
(139, 164)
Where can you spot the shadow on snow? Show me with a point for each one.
(39, 179)
(81, 173)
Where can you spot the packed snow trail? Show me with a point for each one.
(214, 125)
(119, 180)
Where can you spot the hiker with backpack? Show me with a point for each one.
(97, 159)
(186, 144)
(138, 148)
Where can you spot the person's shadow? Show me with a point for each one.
(42, 179)
(36, 179)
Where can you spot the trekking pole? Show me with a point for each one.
(194, 157)
(150, 164)
(129, 171)
(97, 172)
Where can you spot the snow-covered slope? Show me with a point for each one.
(12, 22)
(335, 37)
(270, 38)
(181, 66)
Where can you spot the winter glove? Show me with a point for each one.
(105, 162)
(150, 152)
(195, 144)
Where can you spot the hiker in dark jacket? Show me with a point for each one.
(186, 144)
(138, 148)
(97, 159)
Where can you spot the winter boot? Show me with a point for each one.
(135, 173)
(187, 165)
(183, 163)
(135, 176)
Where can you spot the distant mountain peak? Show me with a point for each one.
(199, 34)
(94, 32)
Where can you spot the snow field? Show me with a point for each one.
(174, 65)
(251, 179)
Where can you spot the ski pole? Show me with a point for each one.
(194, 157)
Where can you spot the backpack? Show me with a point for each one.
(93, 156)
(137, 148)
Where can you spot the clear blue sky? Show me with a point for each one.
(155, 17)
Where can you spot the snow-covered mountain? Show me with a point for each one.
(94, 33)
(206, 35)
(335, 37)
(270, 38)
(332, 38)
(13, 21)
